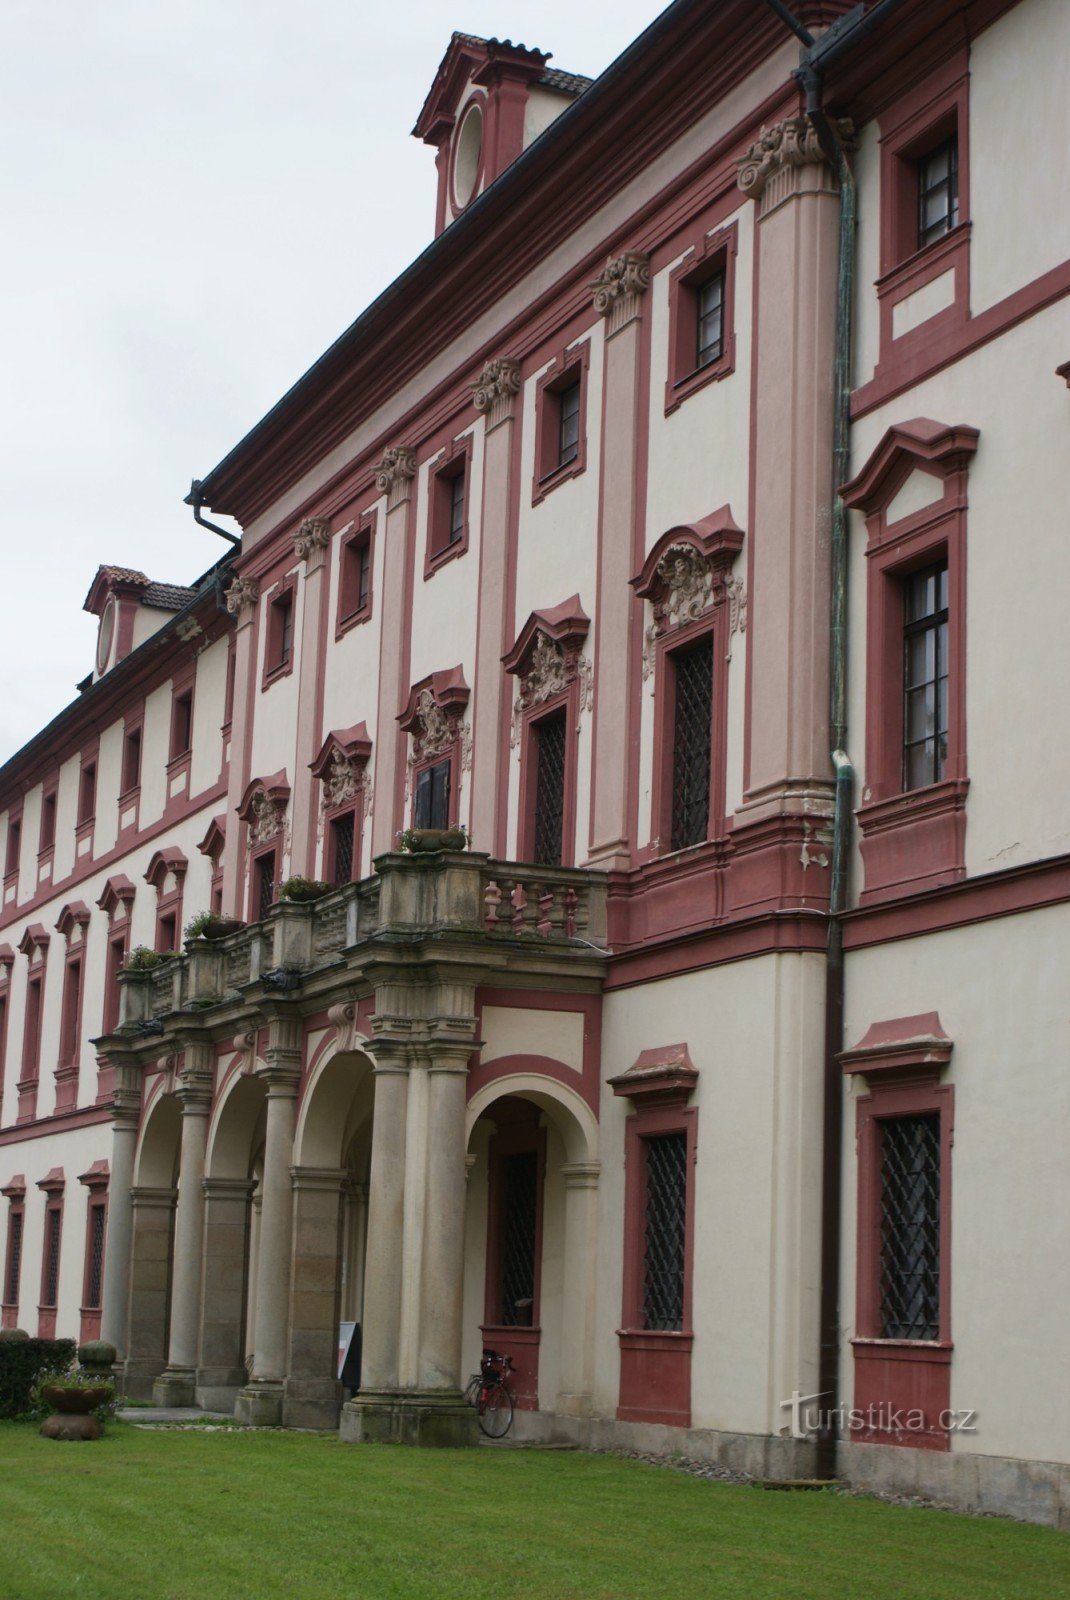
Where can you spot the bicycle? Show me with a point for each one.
(487, 1394)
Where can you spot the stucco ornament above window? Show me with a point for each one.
(341, 764)
(263, 807)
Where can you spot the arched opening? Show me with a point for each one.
(154, 1196)
(529, 1265)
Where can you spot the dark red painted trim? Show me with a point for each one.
(586, 1083)
(364, 531)
(983, 898)
(710, 253)
(570, 366)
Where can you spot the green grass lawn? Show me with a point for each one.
(255, 1516)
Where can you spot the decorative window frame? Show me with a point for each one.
(73, 925)
(434, 719)
(517, 1132)
(52, 1186)
(263, 811)
(274, 670)
(686, 578)
(552, 675)
(34, 946)
(456, 462)
(212, 846)
(912, 839)
(568, 366)
(655, 1363)
(130, 794)
(15, 1194)
(341, 769)
(363, 532)
(117, 903)
(901, 1061)
(918, 120)
(710, 253)
(166, 873)
(95, 1180)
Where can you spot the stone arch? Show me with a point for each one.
(236, 1127)
(336, 1102)
(564, 1105)
(154, 1193)
(156, 1157)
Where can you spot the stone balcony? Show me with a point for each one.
(507, 918)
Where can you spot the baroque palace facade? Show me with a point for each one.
(653, 527)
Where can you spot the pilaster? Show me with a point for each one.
(176, 1385)
(243, 600)
(394, 478)
(125, 1113)
(311, 545)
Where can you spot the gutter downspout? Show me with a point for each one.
(195, 498)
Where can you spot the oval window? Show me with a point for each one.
(104, 637)
(466, 156)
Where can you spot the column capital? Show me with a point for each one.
(242, 597)
(394, 474)
(228, 1188)
(618, 292)
(325, 1180)
(496, 391)
(313, 535)
(581, 1174)
(141, 1195)
(773, 167)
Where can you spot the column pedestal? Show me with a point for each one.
(434, 1420)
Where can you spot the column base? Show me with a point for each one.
(176, 1386)
(431, 1419)
(217, 1387)
(259, 1404)
(311, 1403)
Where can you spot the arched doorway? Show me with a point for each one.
(529, 1261)
(154, 1195)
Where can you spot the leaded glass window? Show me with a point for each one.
(910, 1228)
(520, 1179)
(549, 736)
(692, 743)
(96, 1256)
(342, 848)
(14, 1259)
(663, 1231)
(52, 1227)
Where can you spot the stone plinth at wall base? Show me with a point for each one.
(59, 1427)
(428, 1419)
(218, 1387)
(175, 1387)
(134, 1377)
(763, 1456)
(311, 1403)
(1001, 1486)
(259, 1405)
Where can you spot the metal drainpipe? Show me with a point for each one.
(195, 498)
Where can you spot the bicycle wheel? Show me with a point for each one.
(471, 1394)
(496, 1412)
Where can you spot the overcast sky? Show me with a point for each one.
(196, 199)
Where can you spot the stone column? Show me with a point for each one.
(781, 833)
(243, 599)
(619, 295)
(125, 1110)
(313, 1393)
(442, 1281)
(580, 1274)
(175, 1386)
(381, 1320)
(262, 1398)
(150, 1280)
(310, 545)
(221, 1371)
(495, 396)
(394, 478)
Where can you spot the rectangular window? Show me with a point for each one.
(50, 1276)
(87, 792)
(910, 1228)
(456, 507)
(95, 1275)
(432, 806)
(925, 676)
(131, 775)
(664, 1219)
(31, 1042)
(938, 192)
(181, 724)
(550, 739)
(70, 1016)
(228, 693)
(710, 320)
(279, 646)
(341, 848)
(167, 934)
(112, 993)
(48, 821)
(447, 512)
(14, 846)
(263, 885)
(14, 1258)
(568, 424)
(519, 1176)
(692, 743)
(356, 577)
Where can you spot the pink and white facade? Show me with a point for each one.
(544, 547)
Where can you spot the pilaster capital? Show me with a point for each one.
(242, 597)
(193, 1091)
(581, 1174)
(228, 1188)
(394, 474)
(313, 535)
(619, 290)
(125, 1102)
(322, 1180)
(771, 170)
(497, 389)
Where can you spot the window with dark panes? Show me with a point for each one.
(456, 507)
(568, 432)
(53, 1224)
(342, 848)
(710, 325)
(356, 574)
(264, 885)
(910, 1228)
(548, 832)
(131, 775)
(692, 742)
(48, 821)
(664, 1220)
(14, 1259)
(87, 792)
(938, 192)
(96, 1257)
(520, 1179)
(14, 845)
(925, 672)
(432, 805)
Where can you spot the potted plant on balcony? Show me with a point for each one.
(142, 959)
(211, 925)
(300, 890)
(425, 841)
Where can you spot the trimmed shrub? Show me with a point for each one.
(20, 1362)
